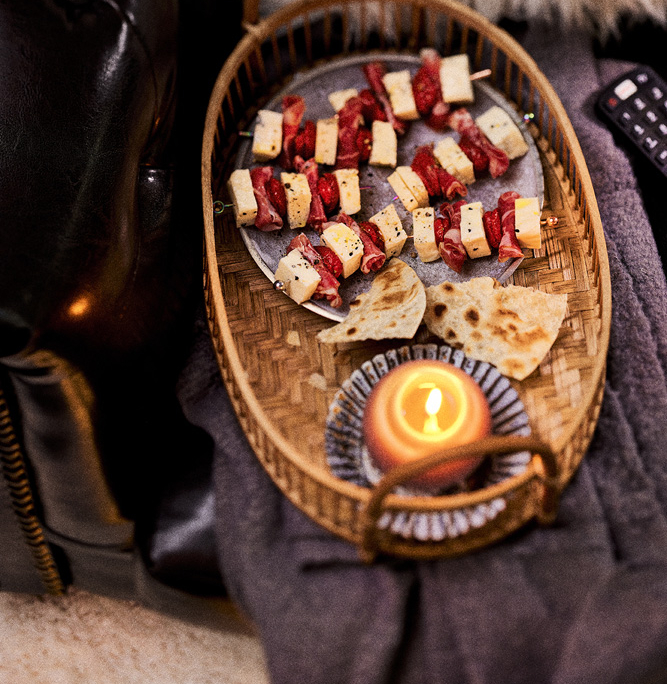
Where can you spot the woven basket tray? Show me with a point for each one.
(281, 380)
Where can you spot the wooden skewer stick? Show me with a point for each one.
(484, 73)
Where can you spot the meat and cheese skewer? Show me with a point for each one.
(374, 72)
(442, 182)
(327, 286)
(373, 257)
(462, 122)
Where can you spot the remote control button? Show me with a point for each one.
(638, 130)
(639, 104)
(662, 129)
(625, 118)
(625, 89)
(656, 93)
(650, 143)
(651, 116)
(611, 103)
(661, 156)
(642, 77)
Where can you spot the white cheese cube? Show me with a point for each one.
(409, 188)
(348, 189)
(401, 189)
(498, 127)
(398, 85)
(346, 244)
(298, 196)
(453, 159)
(243, 197)
(385, 144)
(423, 220)
(298, 275)
(389, 224)
(527, 222)
(326, 141)
(340, 97)
(472, 230)
(455, 79)
(415, 185)
(267, 139)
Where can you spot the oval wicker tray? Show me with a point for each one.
(281, 381)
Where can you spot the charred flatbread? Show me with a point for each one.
(392, 308)
(512, 327)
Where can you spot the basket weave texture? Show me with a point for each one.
(281, 380)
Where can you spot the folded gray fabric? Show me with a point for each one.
(582, 601)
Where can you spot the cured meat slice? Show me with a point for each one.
(328, 286)
(304, 143)
(373, 258)
(492, 227)
(450, 186)
(327, 189)
(428, 93)
(509, 246)
(267, 218)
(373, 233)
(364, 143)
(294, 107)
(438, 181)
(316, 216)
(424, 164)
(371, 109)
(479, 158)
(462, 122)
(349, 120)
(448, 236)
(330, 259)
(276, 192)
(374, 71)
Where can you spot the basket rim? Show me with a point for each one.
(255, 36)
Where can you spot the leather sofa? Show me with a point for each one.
(100, 132)
(106, 486)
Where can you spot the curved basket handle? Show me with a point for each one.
(494, 444)
(250, 11)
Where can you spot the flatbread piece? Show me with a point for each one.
(392, 308)
(512, 327)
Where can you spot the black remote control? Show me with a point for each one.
(635, 106)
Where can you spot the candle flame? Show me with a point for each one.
(433, 403)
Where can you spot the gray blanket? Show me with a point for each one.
(582, 601)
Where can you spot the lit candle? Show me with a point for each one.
(422, 407)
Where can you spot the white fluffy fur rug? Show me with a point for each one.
(85, 639)
(600, 17)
